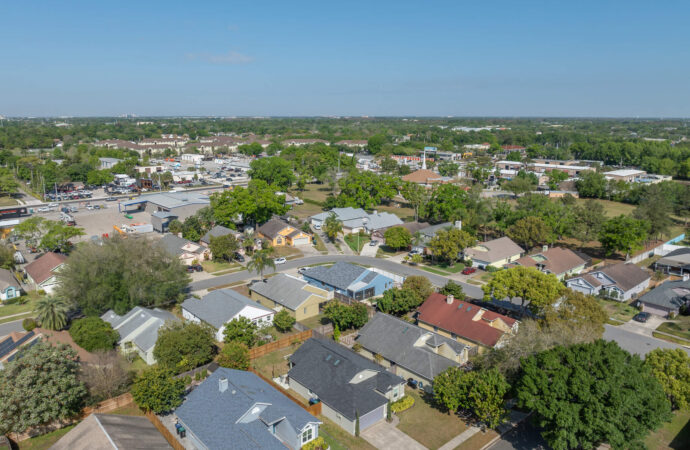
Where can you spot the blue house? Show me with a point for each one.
(9, 286)
(237, 409)
(346, 279)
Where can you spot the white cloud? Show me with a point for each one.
(231, 57)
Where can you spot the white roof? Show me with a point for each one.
(624, 172)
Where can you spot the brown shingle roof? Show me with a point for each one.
(558, 260)
(626, 276)
(494, 250)
(42, 268)
(271, 228)
(423, 176)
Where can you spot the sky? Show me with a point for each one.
(601, 58)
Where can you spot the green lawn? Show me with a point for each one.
(618, 310)
(418, 421)
(138, 365)
(679, 327)
(130, 410)
(7, 201)
(286, 252)
(274, 363)
(316, 192)
(437, 272)
(305, 210)
(22, 317)
(612, 209)
(352, 240)
(674, 434)
(455, 268)
(340, 439)
(478, 440)
(320, 245)
(26, 307)
(384, 251)
(665, 337)
(215, 266)
(44, 441)
(315, 321)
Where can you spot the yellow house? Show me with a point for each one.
(299, 298)
(282, 234)
(496, 253)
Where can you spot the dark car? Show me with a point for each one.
(412, 383)
(468, 270)
(239, 257)
(190, 269)
(642, 317)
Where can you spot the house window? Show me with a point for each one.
(305, 310)
(308, 435)
(395, 394)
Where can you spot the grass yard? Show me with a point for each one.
(668, 338)
(406, 214)
(353, 240)
(6, 200)
(320, 245)
(26, 307)
(130, 410)
(478, 440)
(385, 251)
(611, 209)
(340, 439)
(215, 266)
(12, 319)
(316, 192)
(434, 271)
(305, 210)
(286, 252)
(273, 364)
(416, 421)
(618, 310)
(679, 327)
(138, 365)
(672, 435)
(315, 321)
(45, 441)
(455, 268)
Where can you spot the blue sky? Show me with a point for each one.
(435, 58)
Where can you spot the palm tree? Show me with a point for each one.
(52, 313)
(261, 261)
(332, 227)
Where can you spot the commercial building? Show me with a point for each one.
(166, 206)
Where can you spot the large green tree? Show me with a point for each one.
(234, 355)
(448, 203)
(184, 346)
(121, 274)
(157, 390)
(57, 236)
(671, 367)
(535, 289)
(39, 387)
(448, 244)
(344, 316)
(589, 394)
(398, 301)
(589, 218)
(261, 261)
(529, 232)
(241, 330)
(332, 226)
(273, 170)
(623, 234)
(93, 333)
(224, 247)
(256, 203)
(52, 312)
(397, 237)
(366, 189)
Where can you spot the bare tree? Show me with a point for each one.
(107, 376)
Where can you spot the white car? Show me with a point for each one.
(43, 209)
(317, 227)
(53, 205)
(279, 261)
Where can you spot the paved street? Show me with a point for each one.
(7, 328)
(635, 342)
(472, 291)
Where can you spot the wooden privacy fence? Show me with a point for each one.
(280, 343)
(109, 405)
(172, 440)
(314, 410)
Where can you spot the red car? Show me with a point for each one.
(468, 270)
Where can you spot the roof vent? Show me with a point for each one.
(450, 298)
(223, 384)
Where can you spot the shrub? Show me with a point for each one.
(283, 321)
(234, 355)
(357, 347)
(93, 333)
(404, 403)
(29, 324)
(188, 380)
(317, 443)
(492, 269)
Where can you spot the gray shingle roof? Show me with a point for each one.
(353, 218)
(7, 279)
(213, 416)
(218, 307)
(677, 258)
(136, 318)
(494, 250)
(340, 274)
(216, 231)
(408, 345)
(273, 227)
(626, 276)
(326, 368)
(670, 295)
(171, 200)
(173, 244)
(283, 289)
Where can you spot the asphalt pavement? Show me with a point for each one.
(7, 328)
(636, 343)
(471, 291)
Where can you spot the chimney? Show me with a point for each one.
(544, 248)
(222, 384)
(450, 298)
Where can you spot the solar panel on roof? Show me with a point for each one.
(469, 308)
(337, 361)
(328, 357)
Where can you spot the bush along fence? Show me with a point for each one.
(314, 410)
(287, 341)
(102, 407)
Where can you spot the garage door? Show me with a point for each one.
(652, 310)
(301, 241)
(372, 418)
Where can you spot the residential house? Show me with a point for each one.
(666, 299)
(427, 233)
(237, 409)
(353, 143)
(619, 282)
(301, 142)
(558, 261)
(496, 253)
(12, 343)
(9, 286)
(41, 274)
(676, 262)
(356, 219)
(465, 322)
(408, 350)
(186, 251)
(218, 231)
(282, 234)
(223, 305)
(299, 298)
(348, 280)
(112, 431)
(138, 329)
(348, 385)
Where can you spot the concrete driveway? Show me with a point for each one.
(369, 250)
(385, 436)
(643, 328)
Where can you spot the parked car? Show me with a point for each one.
(53, 205)
(197, 267)
(412, 383)
(374, 243)
(190, 269)
(642, 317)
(110, 199)
(239, 257)
(317, 227)
(468, 270)
(89, 207)
(279, 261)
(43, 209)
